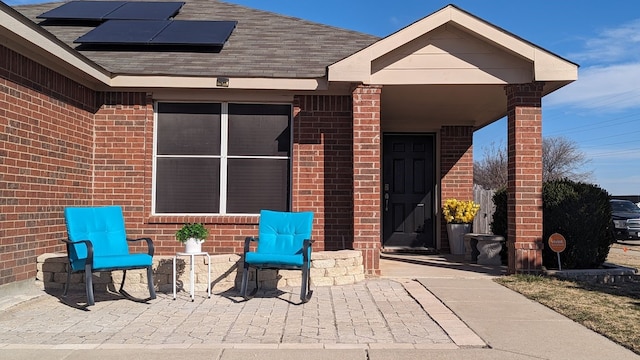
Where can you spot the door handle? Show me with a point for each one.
(386, 197)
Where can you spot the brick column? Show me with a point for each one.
(524, 188)
(366, 176)
(456, 169)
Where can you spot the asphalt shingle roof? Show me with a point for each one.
(263, 44)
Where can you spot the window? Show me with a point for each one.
(222, 158)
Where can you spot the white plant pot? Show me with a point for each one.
(193, 245)
(456, 233)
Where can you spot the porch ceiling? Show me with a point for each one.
(428, 107)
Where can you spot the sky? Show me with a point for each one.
(600, 112)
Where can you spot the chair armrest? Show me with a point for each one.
(247, 242)
(150, 247)
(87, 243)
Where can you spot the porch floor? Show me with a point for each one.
(416, 266)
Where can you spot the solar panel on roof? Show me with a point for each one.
(105, 10)
(145, 11)
(124, 32)
(82, 10)
(159, 32)
(210, 33)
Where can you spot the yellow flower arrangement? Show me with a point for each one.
(459, 212)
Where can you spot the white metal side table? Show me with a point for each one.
(192, 275)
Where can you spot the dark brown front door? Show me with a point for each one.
(407, 191)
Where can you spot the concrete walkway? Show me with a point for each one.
(423, 307)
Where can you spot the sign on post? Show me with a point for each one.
(558, 244)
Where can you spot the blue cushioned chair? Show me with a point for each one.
(283, 242)
(97, 241)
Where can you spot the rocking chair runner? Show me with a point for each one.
(97, 242)
(283, 242)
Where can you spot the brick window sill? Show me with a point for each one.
(205, 219)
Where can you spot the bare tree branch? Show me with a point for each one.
(491, 171)
(561, 159)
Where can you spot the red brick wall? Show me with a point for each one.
(121, 158)
(45, 160)
(323, 168)
(366, 175)
(524, 187)
(456, 168)
(47, 163)
(48, 160)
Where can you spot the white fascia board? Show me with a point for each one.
(551, 68)
(185, 82)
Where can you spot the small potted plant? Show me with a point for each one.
(192, 235)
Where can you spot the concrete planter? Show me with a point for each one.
(456, 232)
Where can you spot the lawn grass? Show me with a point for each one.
(612, 310)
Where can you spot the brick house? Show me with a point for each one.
(371, 134)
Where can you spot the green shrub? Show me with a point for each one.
(499, 223)
(580, 212)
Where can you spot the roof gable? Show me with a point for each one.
(472, 50)
(448, 55)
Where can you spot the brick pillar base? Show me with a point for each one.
(525, 257)
(370, 257)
